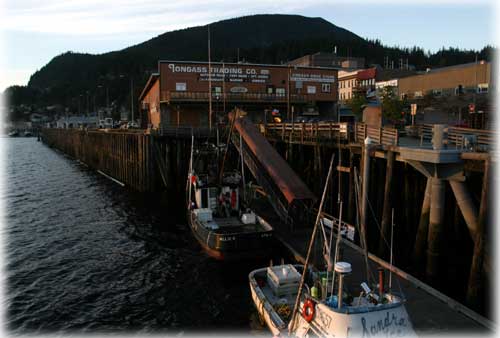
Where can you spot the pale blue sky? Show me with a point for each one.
(35, 31)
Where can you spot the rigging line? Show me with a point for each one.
(377, 223)
(362, 233)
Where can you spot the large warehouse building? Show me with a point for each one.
(179, 93)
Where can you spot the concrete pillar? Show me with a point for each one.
(466, 205)
(435, 235)
(423, 227)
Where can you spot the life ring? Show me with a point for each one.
(308, 310)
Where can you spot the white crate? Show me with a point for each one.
(283, 274)
(203, 214)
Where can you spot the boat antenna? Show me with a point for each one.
(392, 236)
(309, 249)
(337, 247)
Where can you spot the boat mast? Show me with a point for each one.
(337, 246)
(188, 185)
(242, 168)
(309, 249)
(209, 84)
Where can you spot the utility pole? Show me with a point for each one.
(132, 97)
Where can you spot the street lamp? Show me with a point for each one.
(131, 95)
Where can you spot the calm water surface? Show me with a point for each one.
(86, 255)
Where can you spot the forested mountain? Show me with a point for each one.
(258, 38)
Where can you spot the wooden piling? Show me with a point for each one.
(422, 230)
(476, 280)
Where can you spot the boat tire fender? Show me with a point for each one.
(308, 310)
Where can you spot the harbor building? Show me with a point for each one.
(179, 93)
(322, 59)
(457, 95)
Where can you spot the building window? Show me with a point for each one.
(311, 89)
(217, 90)
(270, 90)
(418, 94)
(280, 92)
(326, 88)
(180, 86)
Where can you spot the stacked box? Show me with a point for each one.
(203, 214)
(283, 279)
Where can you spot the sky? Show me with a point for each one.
(35, 31)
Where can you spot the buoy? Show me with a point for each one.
(308, 310)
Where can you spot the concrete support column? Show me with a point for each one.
(435, 234)
(466, 205)
(423, 227)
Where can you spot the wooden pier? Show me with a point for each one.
(403, 173)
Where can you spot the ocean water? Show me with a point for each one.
(85, 255)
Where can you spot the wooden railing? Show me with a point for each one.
(240, 97)
(307, 132)
(384, 136)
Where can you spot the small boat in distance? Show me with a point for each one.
(13, 133)
(219, 219)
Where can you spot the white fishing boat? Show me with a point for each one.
(274, 291)
(294, 301)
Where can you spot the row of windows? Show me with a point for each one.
(347, 83)
(345, 96)
(459, 90)
(325, 88)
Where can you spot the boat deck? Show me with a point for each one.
(232, 225)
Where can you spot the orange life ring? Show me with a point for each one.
(308, 310)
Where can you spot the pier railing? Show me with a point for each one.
(461, 137)
(167, 96)
(384, 136)
(307, 133)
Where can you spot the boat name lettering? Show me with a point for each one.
(266, 235)
(390, 326)
(227, 238)
(325, 319)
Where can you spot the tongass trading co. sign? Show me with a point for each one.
(228, 74)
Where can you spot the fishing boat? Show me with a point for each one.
(219, 218)
(297, 301)
(274, 291)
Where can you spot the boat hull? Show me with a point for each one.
(231, 246)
